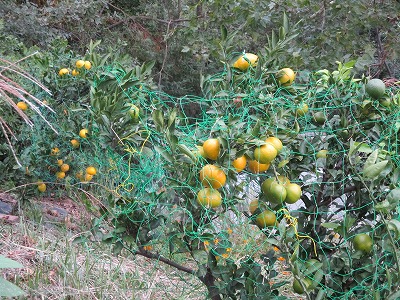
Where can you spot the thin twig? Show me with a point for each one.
(157, 256)
(165, 56)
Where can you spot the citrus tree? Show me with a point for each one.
(309, 159)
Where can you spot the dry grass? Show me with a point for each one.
(56, 267)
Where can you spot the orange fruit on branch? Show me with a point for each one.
(211, 148)
(265, 153)
(239, 163)
(286, 76)
(255, 167)
(245, 61)
(212, 176)
(266, 218)
(209, 197)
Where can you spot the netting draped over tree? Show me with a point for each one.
(339, 144)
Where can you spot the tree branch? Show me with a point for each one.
(157, 256)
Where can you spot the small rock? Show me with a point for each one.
(5, 208)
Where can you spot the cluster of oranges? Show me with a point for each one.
(79, 64)
(64, 167)
(285, 76)
(276, 190)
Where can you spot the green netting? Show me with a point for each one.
(151, 169)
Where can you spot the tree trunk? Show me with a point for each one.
(208, 281)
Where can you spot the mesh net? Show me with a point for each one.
(150, 162)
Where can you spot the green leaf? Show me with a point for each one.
(7, 289)
(330, 225)
(183, 148)
(158, 118)
(256, 129)
(373, 171)
(9, 263)
(172, 117)
(394, 225)
(224, 33)
(164, 154)
(371, 159)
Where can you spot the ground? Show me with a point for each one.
(43, 239)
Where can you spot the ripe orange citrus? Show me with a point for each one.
(362, 242)
(302, 109)
(209, 198)
(274, 141)
(91, 170)
(293, 193)
(55, 151)
(239, 163)
(75, 143)
(286, 76)
(255, 167)
(64, 168)
(60, 162)
(265, 153)
(375, 88)
(266, 218)
(74, 72)
(42, 187)
(211, 148)
(79, 63)
(212, 176)
(245, 60)
(83, 133)
(88, 177)
(22, 105)
(253, 206)
(63, 72)
(60, 175)
(88, 65)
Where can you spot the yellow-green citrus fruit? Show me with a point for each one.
(266, 218)
(239, 163)
(74, 72)
(362, 242)
(60, 162)
(79, 63)
(88, 65)
(211, 148)
(42, 187)
(286, 76)
(274, 141)
(253, 206)
(91, 170)
(265, 153)
(63, 72)
(375, 88)
(134, 112)
(212, 176)
(322, 153)
(302, 109)
(274, 190)
(319, 117)
(293, 193)
(209, 197)
(22, 105)
(55, 151)
(255, 167)
(245, 60)
(83, 133)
